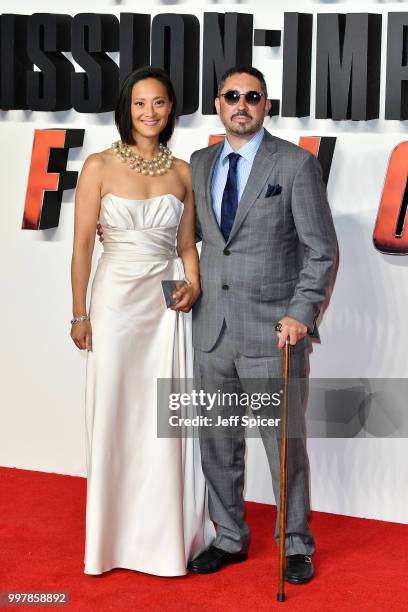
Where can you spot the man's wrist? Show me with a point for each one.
(286, 316)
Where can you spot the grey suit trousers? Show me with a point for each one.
(223, 453)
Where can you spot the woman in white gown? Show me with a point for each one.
(146, 496)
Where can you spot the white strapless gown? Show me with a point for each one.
(146, 496)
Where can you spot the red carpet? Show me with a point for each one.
(361, 564)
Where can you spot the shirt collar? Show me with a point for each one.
(247, 151)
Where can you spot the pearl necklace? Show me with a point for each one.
(151, 167)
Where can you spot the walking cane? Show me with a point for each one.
(283, 475)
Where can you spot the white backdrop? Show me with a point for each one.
(364, 332)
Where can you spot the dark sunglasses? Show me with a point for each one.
(233, 96)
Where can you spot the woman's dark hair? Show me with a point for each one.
(123, 118)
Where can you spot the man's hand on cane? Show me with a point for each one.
(290, 328)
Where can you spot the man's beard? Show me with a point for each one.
(241, 129)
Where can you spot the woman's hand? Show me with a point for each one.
(81, 334)
(99, 231)
(185, 297)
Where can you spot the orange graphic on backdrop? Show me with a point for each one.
(39, 180)
(390, 232)
(311, 144)
(214, 138)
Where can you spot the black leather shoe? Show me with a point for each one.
(299, 569)
(213, 559)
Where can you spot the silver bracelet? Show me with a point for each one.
(80, 319)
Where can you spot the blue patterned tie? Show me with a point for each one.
(230, 197)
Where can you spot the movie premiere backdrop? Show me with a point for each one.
(337, 73)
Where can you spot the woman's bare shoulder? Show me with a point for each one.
(183, 170)
(95, 162)
(181, 164)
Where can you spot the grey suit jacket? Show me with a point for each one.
(280, 254)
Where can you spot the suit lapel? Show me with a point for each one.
(265, 159)
(209, 166)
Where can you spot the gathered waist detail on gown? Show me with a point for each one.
(153, 244)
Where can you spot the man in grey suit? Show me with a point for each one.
(268, 251)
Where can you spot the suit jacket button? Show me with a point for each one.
(227, 252)
(225, 287)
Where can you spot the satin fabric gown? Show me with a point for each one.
(146, 496)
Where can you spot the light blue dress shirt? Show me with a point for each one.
(219, 177)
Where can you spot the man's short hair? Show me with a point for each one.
(244, 70)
